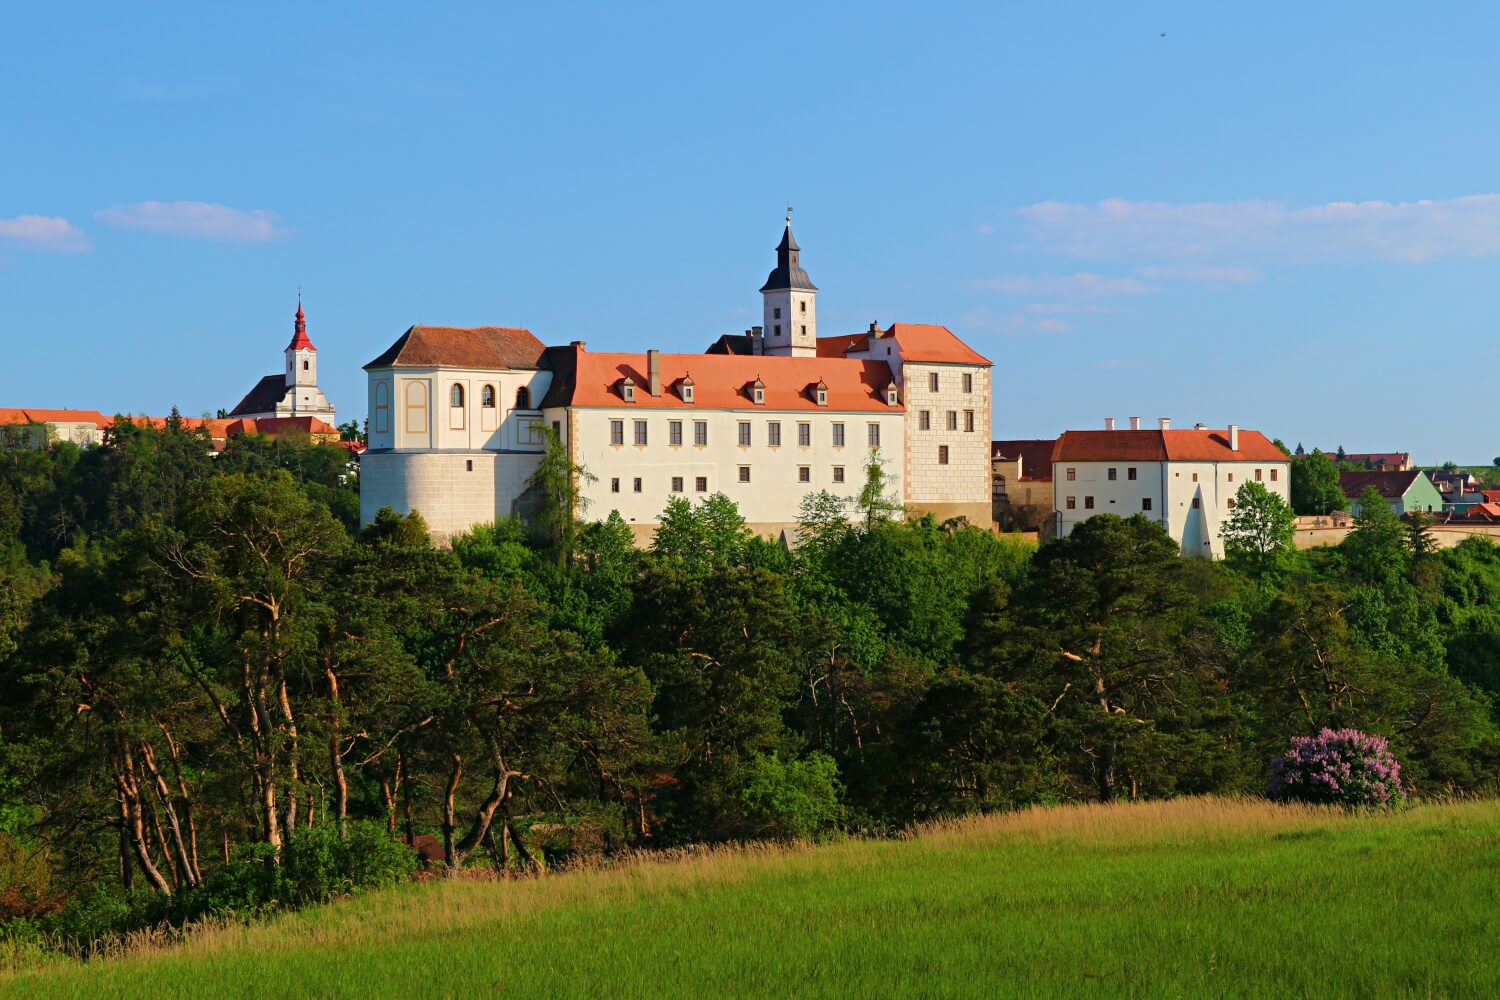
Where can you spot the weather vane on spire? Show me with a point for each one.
(789, 213)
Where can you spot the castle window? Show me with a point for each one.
(804, 435)
(969, 420)
(1145, 503)
(838, 435)
(924, 420)
(1072, 503)
(932, 382)
(773, 434)
(1130, 474)
(1197, 502)
(1088, 503)
(457, 395)
(617, 432)
(416, 407)
(523, 398)
(487, 397)
(776, 330)
(700, 433)
(804, 473)
(1072, 475)
(614, 485)
(838, 473)
(872, 435)
(676, 484)
(1273, 475)
(744, 473)
(953, 420)
(468, 465)
(968, 382)
(942, 454)
(674, 433)
(776, 314)
(382, 408)
(744, 433)
(701, 484)
(636, 487)
(640, 433)
(1257, 475)
(1114, 474)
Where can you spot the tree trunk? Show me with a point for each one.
(450, 794)
(188, 806)
(129, 789)
(184, 866)
(403, 781)
(336, 755)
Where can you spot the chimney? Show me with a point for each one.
(1200, 426)
(1165, 422)
(582, 345)
(653, 371)
(1135, 423)
(874, 330)
(1109, 423)
(757, 340)
(1234, 437)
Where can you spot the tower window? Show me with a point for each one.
(776, 314)
(457, 396)
(804, 306)
(304, 365)
(487, 397)
(1145, 503)
(942, 454)
(932, 382)
(804, 329)
(969, 420)
(924, 420)
(776, 330)
(468, 465)
(953, 420)
(968, 382)
(523, 398)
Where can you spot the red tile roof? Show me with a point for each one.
(478, 347)
(1390, 484)
(1487, 512)
(1164, 446)
(914, 342)
(720, 381)
(32, 415)
(1035, 456)
(300, 339)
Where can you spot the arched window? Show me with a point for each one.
(523, 398)
(382, 408)
(304, 366)
(487, 397)
(457, 395)
(416, 407)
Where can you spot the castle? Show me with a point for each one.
(766, 417)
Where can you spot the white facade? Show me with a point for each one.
(767, 480)
(791, 318)
(1190, 498)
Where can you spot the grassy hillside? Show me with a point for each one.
(1185, 898)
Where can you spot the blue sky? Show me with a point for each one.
(1281, 215)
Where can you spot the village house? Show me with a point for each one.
(1185, 480)
(457, 418)
(1405, 492)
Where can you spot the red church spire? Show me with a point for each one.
(300, 340)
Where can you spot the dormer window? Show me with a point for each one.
(627, 389)
(892, 397)
(685, 389)
(820, 393)
(758, 392)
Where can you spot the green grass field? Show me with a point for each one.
(1188, 898)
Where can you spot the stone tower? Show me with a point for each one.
(790, 300)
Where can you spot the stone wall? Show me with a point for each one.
(453, 490)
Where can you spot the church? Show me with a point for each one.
(765, 417)
(294, 392)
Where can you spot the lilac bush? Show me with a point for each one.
(1342, 767)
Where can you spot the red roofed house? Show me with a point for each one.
(766, 417)
(294, 392)
(35, 428)
(1184, 480)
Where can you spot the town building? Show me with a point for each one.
(766, 417)
(37, 428)
(1405, 492)
(1378, 461)
(1185, 480)
(294, 391)
(1021, 471)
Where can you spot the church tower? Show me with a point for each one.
(301, 356)
(790, 302)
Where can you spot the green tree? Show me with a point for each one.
(1258, 533)
(1376, 550)
(1315, 485)
(875, 501)
(553, 498)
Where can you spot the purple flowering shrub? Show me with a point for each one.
(1341, 767)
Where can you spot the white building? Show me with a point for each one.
(765, 417)
(1183, 479)
(294, 392)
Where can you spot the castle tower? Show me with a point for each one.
(790, 303)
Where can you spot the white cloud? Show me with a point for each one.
(1267, 230)
(1223, 275)
(1051, 324)
(197, 219)
(1080, 284)
(44, 232)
